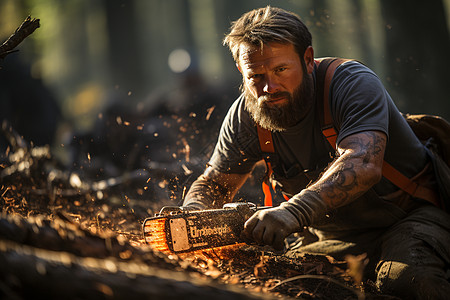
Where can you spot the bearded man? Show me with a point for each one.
(339, 196)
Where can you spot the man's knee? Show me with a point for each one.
(410, 282)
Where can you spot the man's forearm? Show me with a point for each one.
(356, 170)
(344, 182)
(351, 175)
(340, 185)
(205, 193)
(213, 189)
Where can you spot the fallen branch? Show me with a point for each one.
(25, 29)
(358, 294)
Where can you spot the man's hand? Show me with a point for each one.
(270, 227)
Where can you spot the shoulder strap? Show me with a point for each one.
(266, 144)
(325, 72)
(265, 140)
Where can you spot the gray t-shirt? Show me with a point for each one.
(358, 102)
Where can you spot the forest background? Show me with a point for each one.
(91, 60)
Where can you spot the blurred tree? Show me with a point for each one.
(417, 55)
(361, 32)
(27, 104)
(124, 55)
(320, 25)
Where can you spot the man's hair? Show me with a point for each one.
(268, 25)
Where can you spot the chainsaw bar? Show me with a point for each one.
(175, 230)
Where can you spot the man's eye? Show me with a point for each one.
(255, 76)
(281, 69)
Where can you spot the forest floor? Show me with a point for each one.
(62, 236)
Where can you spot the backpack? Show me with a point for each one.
(433, 131)
(434, 127)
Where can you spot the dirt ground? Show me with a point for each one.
(68, 235)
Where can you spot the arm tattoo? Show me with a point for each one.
(351, 174)
(365, 145)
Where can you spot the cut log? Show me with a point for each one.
(28, 272)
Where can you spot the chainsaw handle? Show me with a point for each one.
(243, 207)
(169, 210)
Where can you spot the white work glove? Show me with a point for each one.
(271, 226)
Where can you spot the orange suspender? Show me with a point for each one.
(330, 133)
(266, 144)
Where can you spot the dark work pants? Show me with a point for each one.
(410, 260)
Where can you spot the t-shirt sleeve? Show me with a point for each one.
(358, 101)
(237, 149)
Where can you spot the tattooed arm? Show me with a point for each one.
(356, 170)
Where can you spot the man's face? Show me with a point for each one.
(277, 86)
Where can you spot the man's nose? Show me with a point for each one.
(271, 86)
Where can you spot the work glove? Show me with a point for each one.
(271, 226)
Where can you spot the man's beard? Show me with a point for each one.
(279, 117)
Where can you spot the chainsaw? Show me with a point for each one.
(176, 230)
